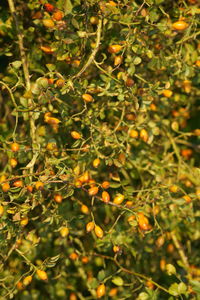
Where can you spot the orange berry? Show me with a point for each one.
(29, 188)
(5, 187)
(113, 292)
(153, 107)
(49, 23)
(180, 25)
(160, 241)
(42, 275)
(118, 60)
(90, 226)
(150, 285)
(84, 209)
(24, 221)
(20, 286)
(186, 153)
(131, 218)
(93, 191)
(27, 280)
(48, 7)
(73, 256)
(170, 248)
(105, 185)
(51, 80)
(78, 184)
(13, 162)
(92, 182)
(116, 248)
(129, 203)
(197, 63)
(198, 193)
(114, 48)
(47, 49)
(87, 98)
(72, 296)
(174, 188)
(18, 183)
(144, 135)
(143, 221)
(60, 83)
(119, 198)
(58, 198)
(105, 197)
(84, 178)
(15, 147)
(133, 133)
(1, 210)
(162, 264)
(76, 135)
(85, 259)
(101, 290)
(58, 15)
(96, 162)
(98, 231)
(39, 185)
(64, 231)
(187, 198)
(167, 93)
(129, 82)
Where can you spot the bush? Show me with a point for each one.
(100, 148)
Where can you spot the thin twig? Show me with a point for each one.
(94, 52)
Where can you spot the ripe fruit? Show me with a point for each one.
(49, 23)
(15, 147)
(76, 135)
(42, 275)
(116, 248)
(98, 231)
(72, 296)
(73, 256)
(180, 25)
(93, 191)
(114, 48)
(47, 49)
(27, 280)
(84, 209)
(118, 60)
(90, 226)
(174, 188)
(143, 222)
(129, 82)
(96, 162)
(5, 187)
(187, 86)
(60, 83)
(133, 133)
(170, 248)
(197, 63)
(160, 241)
(1, 210)
(58, 15)
(101, 290)
(39, 185)
(29, 188)
(113, 292)
(187, 198)
(144, 135)
(84, 177)
(24, 221)
(119, 198)
(162, 264)
(48, 7)
(198, 193)
(64, 231)
(105, 197)
(20, 286)
(186, 153)
(18, 183)
(94, 20)
(58, 198)
(105, 185)
(85, 259)
(13, 162)
(167, 93)
(87, 98)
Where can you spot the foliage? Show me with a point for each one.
(99, 138)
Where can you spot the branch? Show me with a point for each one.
(94, 52)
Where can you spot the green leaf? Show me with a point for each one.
(173, 289)
(101, 275)
(68, 7)
(17, 64)
(118, 281)
(137, 60)
(170, 269)
(182, 288)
